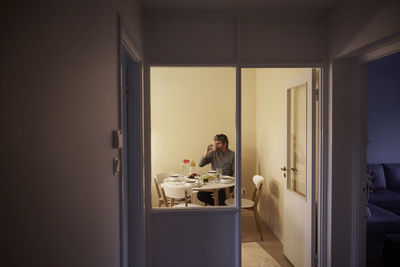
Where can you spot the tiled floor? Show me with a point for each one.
(271, 244)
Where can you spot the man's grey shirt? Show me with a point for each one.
(224, 160)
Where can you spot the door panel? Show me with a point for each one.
(299, 193)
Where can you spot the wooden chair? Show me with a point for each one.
(158, 179)
(253, 203)
(177, 192)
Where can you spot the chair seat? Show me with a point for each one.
(246, 203)
(176, 200)
(190, 205)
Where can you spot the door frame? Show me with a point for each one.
(360, 58)
(124, 41)
(323, 209)
(324, 168)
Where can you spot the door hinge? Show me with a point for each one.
(317, 94)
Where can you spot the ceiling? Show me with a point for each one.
(241, 4)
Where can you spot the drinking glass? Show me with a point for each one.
(181, 179)
(219, 173)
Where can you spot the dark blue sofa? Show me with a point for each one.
(384, 207)
(386, 188)
(382, 222)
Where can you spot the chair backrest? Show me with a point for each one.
(176, 192)
(258, 181)
(159, 177)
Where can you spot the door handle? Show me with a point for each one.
(116, 166)
(294, 169)
(283, 169)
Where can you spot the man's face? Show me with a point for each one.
(219, 145)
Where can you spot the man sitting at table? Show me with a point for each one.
(221, 158)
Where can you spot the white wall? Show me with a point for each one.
(353, 25)
(271, 98)
(383, 113)
(59, 102)
(269, 142)
(59, 93)
(195, 238)
(203, 37)
(249, 116)
(272, 41)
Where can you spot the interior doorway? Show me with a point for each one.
(128, 140)
(280, 142)
(383, 160)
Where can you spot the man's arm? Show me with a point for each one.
(206, 158)
(204, 161)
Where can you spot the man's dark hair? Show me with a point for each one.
(222, 138)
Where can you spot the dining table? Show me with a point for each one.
(213, 185)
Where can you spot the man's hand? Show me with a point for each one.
(208, 150)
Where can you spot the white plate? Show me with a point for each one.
(171, 179)
(227, 177)
(174, 175)
(226, 180)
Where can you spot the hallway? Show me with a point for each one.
(66, 181)
(271, 244)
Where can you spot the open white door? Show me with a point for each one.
(299, 169)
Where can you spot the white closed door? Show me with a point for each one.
(299, 169)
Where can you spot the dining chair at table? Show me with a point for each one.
(177, 192)
(158, 179)
(251, 204)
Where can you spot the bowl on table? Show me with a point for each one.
(207, 177)
(225, 179)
